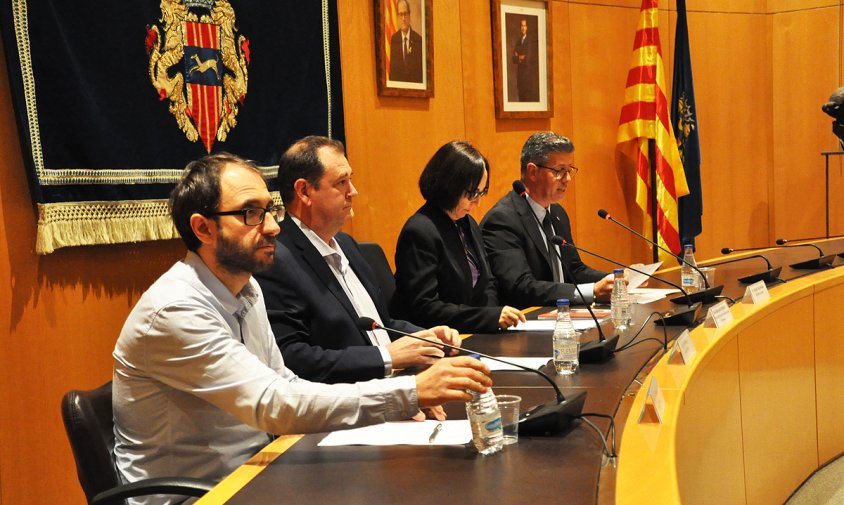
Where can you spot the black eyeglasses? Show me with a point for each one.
(474, 194)
(254, 216)
(559, 173)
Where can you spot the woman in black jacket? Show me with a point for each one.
(442, 274)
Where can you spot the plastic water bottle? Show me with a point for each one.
(688, 275)
(485, 420)
(620, 301)
(566, 341)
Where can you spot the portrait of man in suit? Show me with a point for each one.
(405, 47)
(523, 59)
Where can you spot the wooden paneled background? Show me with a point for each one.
(762, 70)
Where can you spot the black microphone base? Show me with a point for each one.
(551, 418)
(814, 263)
(681, 317)
(704, 296)
(769, 276)
(597, 351)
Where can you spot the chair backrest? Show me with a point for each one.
(374, 255)
(89, 424)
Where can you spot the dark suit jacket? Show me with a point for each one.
(433, 280)
(527, 71)
(519, 258)
(410, 70)
(312, 318)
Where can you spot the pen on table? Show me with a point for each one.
(437, 429)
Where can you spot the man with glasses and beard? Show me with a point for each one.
(517, 232)
(199, 384)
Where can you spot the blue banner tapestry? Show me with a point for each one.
(113, 99)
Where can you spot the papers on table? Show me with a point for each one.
(636, 279)
(535, 363)
(548, 325)
(454, 432)
(648, 295)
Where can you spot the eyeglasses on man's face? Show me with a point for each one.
(254, 216)
(474, 194)
(560, 173)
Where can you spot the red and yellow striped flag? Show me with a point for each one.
(646, 115)
(391, 26)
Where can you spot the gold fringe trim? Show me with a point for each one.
(87, 223)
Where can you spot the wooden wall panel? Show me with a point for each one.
(390, 139)
(801, 130)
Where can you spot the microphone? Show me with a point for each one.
(681, 317)
(595, 351)
(542, 420)
(706, 295)
(821, 261)
(769, 276)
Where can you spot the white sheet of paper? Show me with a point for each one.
(636, 279)
(648, 295)
(454, 432)
(535, 363)
(548, 325)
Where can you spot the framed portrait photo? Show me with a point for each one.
(521, 58)
(404, 48)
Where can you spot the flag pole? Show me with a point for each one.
(652, 197)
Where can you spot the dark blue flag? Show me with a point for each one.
(684, 120)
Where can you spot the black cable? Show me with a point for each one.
(609, 449)
(630, 343)
(728, 298)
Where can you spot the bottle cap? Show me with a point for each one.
(618, 271)
(562, 301)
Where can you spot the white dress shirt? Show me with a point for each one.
(588, 289)
(355, 291)
(199, 382)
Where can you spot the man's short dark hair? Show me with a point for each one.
(198, 192)
(541, 145)
(301, 161)
(456, 167)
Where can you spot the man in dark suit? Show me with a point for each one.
(527, 71)
(320, 283)
(405, 48)
(518, 229)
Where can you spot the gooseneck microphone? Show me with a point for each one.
(542, 420)
(595, 351)
(822, 261)
(706, 295)
(769, 276)
(681, 317)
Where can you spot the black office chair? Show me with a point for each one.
(89, 424)
(377, 260)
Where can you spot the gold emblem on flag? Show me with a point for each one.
(169, 71)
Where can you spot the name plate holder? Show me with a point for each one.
(654, 406)
(756, 293)
(718, 316)
(683, 351)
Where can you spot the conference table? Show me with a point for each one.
(569, 467)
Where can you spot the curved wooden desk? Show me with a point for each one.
(758, 409)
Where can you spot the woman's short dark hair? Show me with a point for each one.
(301, 161)
(198, 192)
(456, 167)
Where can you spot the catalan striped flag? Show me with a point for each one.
(644, 116)
(391, 26)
